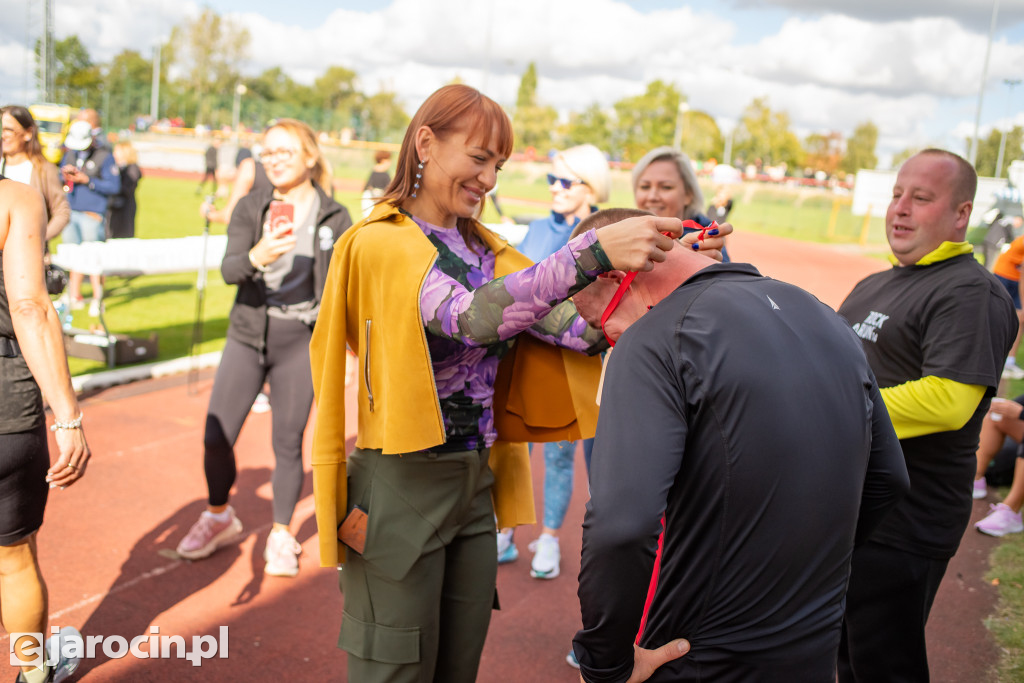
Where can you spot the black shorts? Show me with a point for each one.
(24, 460)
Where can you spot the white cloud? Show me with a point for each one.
(975, 14)
(911, 67)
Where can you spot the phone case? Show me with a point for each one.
(281, 214)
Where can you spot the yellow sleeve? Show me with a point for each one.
(930, 405)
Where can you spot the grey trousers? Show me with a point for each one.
(418, 601)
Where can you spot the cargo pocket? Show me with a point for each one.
(378, 643)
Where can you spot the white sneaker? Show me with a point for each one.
(1012, 371)
(980, 489)
(547, 557)
(96, 307)
(261, 404)
(282, 554)
(57, 648)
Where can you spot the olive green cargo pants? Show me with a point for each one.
(418, 600)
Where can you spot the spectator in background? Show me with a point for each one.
(33, 366)
(280, 270)
(579, 180)
(121, 221)
(92, 177)
(1007, 271)
(936, 329)
(23, 161)
(721, 205)
(664, 184)
(92, 117)
(249, 176)
(377, 182)
(1005, 419)
(211, 167)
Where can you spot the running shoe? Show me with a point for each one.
(980, 489)
(547, 557)
(282, 554)
(57, 650)
(1001, 521)
(507, 551)
(571, 660)
(208, 534)
(1012, 371)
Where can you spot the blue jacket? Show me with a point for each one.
(545, 236)
(104, 179)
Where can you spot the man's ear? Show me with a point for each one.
(616, 275)
(963, 215)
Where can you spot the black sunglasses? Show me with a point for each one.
(566, 183)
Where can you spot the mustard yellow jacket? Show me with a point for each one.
(371, 304)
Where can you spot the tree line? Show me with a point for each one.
(207, 55)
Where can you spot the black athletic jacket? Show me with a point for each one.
(743, 410)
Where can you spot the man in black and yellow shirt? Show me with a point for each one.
(936, 329)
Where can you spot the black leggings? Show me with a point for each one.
(239, 380)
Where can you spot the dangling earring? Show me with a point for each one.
(419, 175)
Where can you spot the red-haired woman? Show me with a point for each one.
(279, 261)
(431, 301)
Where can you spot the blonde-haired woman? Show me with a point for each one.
(121, 222)
(665, 184)
(280, 242)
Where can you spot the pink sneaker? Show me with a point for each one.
(980, 489)
(1001, 521)
(207, 534)
(282, 554)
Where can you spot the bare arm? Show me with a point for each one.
(244, 178)
(36, 325)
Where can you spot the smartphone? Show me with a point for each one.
(282, 214)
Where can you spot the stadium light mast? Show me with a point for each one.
(1010, 83)
(47, 56)
(972, 157)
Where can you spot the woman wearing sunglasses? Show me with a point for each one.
(578, 182)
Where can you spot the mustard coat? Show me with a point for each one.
(371, 304)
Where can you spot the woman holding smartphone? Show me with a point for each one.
(280, 242)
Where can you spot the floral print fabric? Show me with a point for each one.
(471, 320)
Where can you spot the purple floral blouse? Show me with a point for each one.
(472, 319)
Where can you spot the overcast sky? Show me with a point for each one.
(913, 67)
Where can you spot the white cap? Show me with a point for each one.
(79, 136)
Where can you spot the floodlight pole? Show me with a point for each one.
(154, 96)
(1011, 83)
(973, 155)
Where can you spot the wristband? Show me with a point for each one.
(71, 424)
(255, 265)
